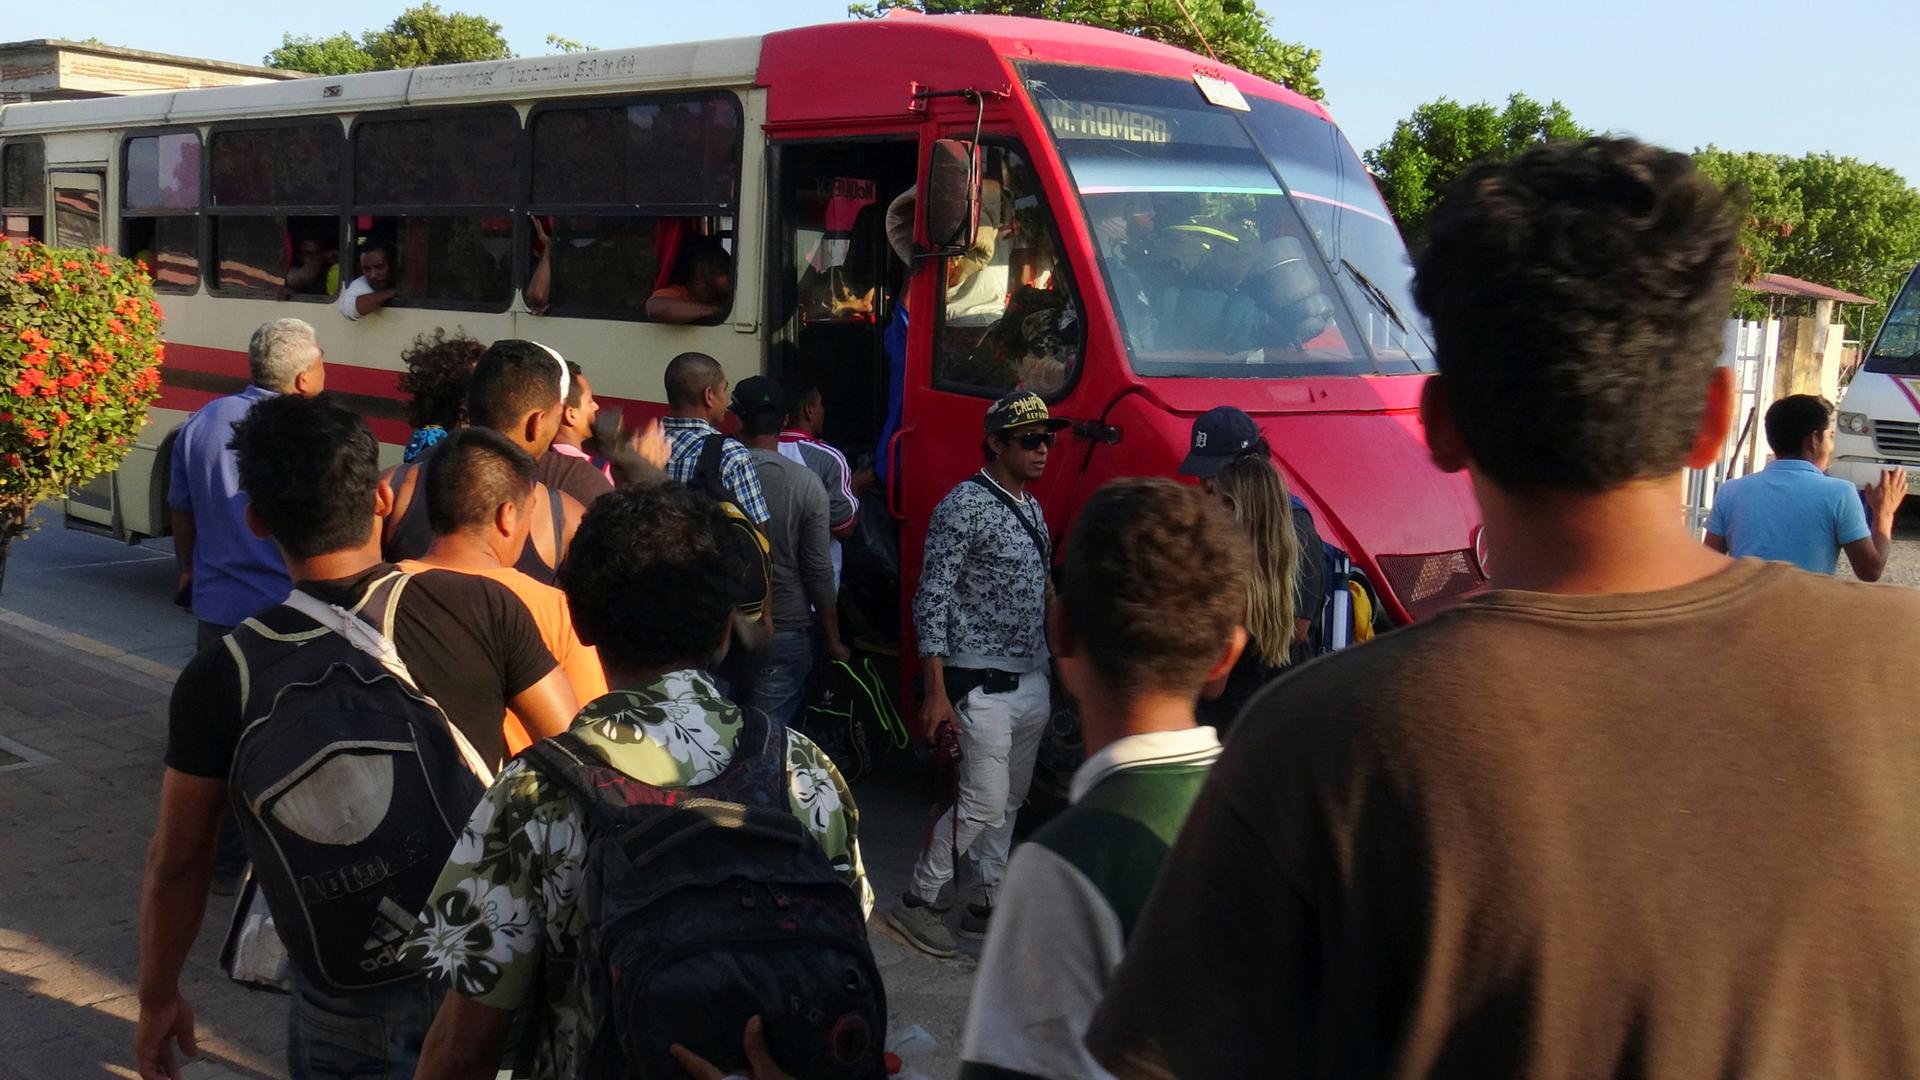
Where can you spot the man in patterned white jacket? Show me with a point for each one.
(981, 617)
(503, 929)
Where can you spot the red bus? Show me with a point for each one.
(1147, 234)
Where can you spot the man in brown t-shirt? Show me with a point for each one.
(1641, 810)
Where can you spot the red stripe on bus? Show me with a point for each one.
(347, 378)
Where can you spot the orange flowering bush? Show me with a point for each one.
(79, 364)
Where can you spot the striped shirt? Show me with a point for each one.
(1072, 896)
(736, 464)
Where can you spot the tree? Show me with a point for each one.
(79, 365)
(423, 36)
(1443, 139)
(1234, 32)
(420, 36)
(1833, 220)
(566, 44)
(336, 55)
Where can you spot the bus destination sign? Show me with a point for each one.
(1092, 120)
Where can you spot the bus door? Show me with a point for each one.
(1006, 313)
(79, 222)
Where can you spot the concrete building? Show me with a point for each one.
(50, 69)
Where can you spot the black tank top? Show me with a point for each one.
(413, 533)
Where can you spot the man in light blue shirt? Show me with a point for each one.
(1791, 511)
(232, 573)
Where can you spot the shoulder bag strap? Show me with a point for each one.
(559, 523)
(560, 759)
(708, 471)
(375, 643)
(1039, 542)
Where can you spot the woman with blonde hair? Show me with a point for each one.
(1286, 582)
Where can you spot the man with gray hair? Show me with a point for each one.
(226, 572)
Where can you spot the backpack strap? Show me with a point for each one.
(1026, 522)
(559, 523)
(707, 471)
(368, 627)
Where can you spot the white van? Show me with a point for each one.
(1879, 423)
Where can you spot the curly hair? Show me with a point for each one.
(1154, 581)
(438, 369)
(1577, 295)
(647, 576)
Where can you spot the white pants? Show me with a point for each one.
(999, 738)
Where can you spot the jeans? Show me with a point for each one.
(999, 739)
(780, 690)
(231, 857)
(374, 1035)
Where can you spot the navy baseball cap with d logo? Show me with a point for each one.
(1220, 435)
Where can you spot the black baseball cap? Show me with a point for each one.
(757, 395)
(1220, 435)
(1018, 409)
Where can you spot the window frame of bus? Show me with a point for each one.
(25, 210)
(517, 184)
(198, 211)
(1011, 141)
(531, 207)
(210, 212)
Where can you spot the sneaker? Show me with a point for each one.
(973, 923)
(923, 928)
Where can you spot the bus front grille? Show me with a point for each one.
(1897, 438)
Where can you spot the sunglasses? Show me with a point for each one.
(1034, 440)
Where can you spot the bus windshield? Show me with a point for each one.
(1235, 244)
(1896, 348)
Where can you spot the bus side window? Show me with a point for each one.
(626, 199)
(1009, 314)
(439, 187)
(160, 207)
(23, 190)
(275, 193)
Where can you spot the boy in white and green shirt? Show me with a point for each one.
(1149, 609)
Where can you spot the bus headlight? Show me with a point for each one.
(1854, 423)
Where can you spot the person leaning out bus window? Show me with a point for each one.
(374, 287)
(702, 285)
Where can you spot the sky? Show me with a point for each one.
(1771, 75)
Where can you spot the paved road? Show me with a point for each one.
(89, 644)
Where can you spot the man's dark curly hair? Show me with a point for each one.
(1154, 581)
(647, 577)
(438, 369)
(1577, 294)
(311, 469)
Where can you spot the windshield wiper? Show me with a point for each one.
(1375, 293)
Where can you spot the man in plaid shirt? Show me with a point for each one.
(696, 405)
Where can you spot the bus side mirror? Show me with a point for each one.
(952, 203)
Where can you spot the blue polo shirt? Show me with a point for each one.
(235, 573)
(1789, 511)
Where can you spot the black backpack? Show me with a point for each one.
(707, 906)
(851, 717)
(350, 784)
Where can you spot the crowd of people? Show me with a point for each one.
(509, 731)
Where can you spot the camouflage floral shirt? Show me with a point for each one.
(504, 925)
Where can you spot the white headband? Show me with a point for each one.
(566, 376)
